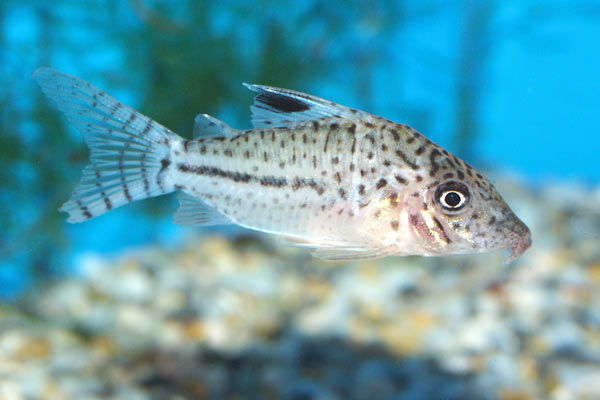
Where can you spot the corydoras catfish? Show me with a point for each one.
(348, 184)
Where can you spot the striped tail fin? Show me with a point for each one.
(129, 152)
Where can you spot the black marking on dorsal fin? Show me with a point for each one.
(281, 102)
(274, 107)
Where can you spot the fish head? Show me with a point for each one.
(459, 211)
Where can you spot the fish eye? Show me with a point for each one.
(452, 196)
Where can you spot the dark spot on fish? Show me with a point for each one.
(387, 162)
(400, 180)
(492, 221)
(383, 147)
(228, 153)
(265, 156)
(475, 216)
(432, 160)
(127, 194)
(351, 129)
(335, 160)
(352, 167)
(315, 125)
(419, 178)
(420, 150)
(370, 155)
(247, 155)
(361, 189)
(395, 135)
(107, 202)
(281, 102)
(148, 127)
(342, 193)
(86, 213)
(408, 162)
(381, 183)
(448, 175)
(326, 141)
(337, 177)
(395, 225)
(460, 175)
(165, 164)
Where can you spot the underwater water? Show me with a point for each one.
(132, 306)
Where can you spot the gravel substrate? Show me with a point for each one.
(250, 319)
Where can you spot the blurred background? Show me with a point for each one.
(131, 306)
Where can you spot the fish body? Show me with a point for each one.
(346, 183)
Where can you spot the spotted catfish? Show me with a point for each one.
(346, 183)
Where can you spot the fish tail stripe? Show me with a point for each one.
(129, 153)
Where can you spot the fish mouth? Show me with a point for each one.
(519, 240)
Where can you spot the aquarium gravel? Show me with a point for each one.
(223, 318)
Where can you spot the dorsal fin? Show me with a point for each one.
(206, 126)
(274, 107)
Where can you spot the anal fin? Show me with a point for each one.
(193, 211)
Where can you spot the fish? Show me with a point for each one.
(342, 182)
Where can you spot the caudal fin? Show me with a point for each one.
(129, 152)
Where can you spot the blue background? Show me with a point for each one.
(511, 86)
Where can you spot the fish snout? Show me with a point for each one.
(518, 238)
